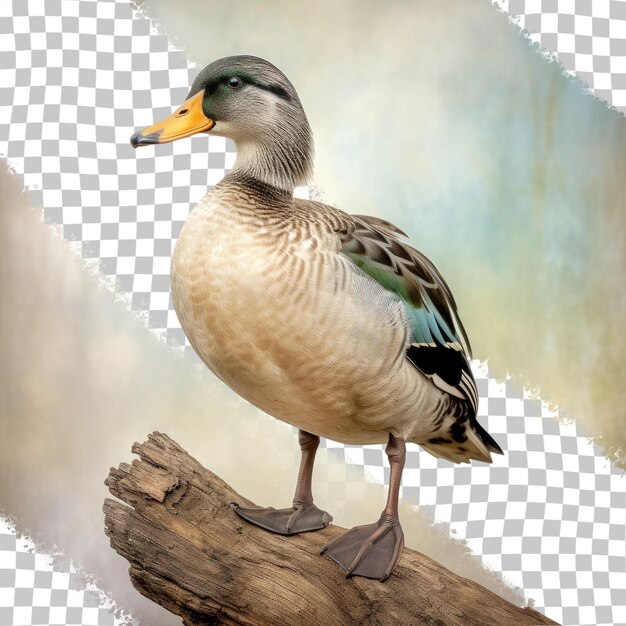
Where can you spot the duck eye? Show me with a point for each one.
(234, 82)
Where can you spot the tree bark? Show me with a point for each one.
(191, 553)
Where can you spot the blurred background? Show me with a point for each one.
(441, 118)
(81, 380)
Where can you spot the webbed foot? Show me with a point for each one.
(300, 518)
(371, 551)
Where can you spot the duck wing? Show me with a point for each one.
(439, 345)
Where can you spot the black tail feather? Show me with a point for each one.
(487, 439)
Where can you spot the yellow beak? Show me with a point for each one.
(187, 120)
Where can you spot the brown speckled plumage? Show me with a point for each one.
(327, 321)
(280, 315)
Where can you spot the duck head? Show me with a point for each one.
(250, 101)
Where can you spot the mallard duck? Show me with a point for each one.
(328, 321)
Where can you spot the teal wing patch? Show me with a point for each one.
(439, 345)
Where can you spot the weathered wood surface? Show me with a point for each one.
(190, 553)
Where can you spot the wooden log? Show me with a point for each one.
(191, 553)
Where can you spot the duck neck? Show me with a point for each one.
(263, 194)
(282, 159)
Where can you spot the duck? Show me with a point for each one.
(328, 321)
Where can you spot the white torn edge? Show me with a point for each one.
(45, 562)
(552, 56)
(139, 13)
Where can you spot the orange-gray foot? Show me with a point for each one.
(371, 551)
(300, 518)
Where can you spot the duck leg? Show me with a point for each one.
(303, 516)
(373, 551)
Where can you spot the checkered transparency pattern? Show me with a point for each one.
(588, 37)
(76, 78)
(32, 591)
(550, 514)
